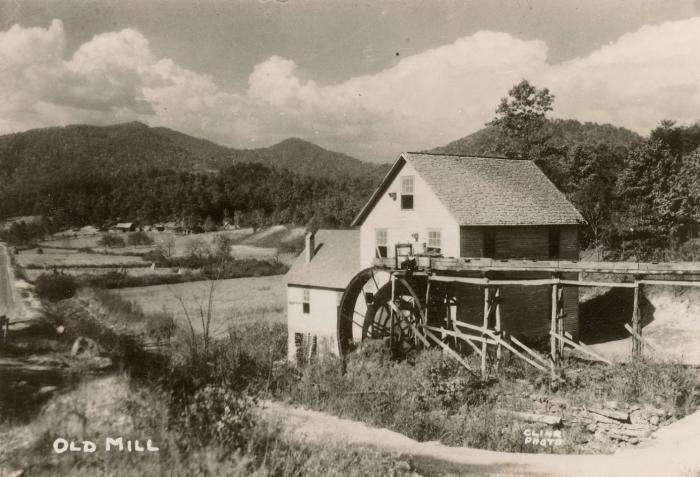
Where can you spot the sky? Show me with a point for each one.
(370, 79)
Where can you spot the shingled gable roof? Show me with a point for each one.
(335, 263)
(485, 190)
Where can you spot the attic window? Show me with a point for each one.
(380, 242)
(434, 241)
(407, 193)
(306, 302)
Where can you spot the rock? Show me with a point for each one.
(591, 427)
(632, 432)
(638, 417)
(621, 416)
(531, 417)
(100, 363)
(654, 420)
(60, 329)
(85, 348)
(403, 466)
(46, 390)
(599, 418)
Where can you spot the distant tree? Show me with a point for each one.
(167, 245)
(221, 244)
(198, 248)
(681, 139)
(520, 118)
(210, 225)
(111, 240)
(139, 238)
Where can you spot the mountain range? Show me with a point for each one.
(80, 150)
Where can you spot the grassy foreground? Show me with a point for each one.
(197, 402)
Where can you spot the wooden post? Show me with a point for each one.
(392, 313)
(553, 345)
(636, 320)
(497, 300)
(560, 316)
(487, 293)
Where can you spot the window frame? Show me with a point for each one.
(407, 192)
(432, 247)
(381, 250)
(306, 301)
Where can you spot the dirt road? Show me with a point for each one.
(672, 451)
(6, 298)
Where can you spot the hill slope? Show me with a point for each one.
(561, 132)
(80, 150)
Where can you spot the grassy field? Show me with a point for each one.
(64, 257)
(263, 244)
(236, 300)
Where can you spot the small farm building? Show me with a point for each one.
(315, 283)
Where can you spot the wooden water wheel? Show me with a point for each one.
(375, 307)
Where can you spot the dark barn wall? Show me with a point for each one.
(525, 242)
(525, 310)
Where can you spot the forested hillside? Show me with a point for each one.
(80, 175)
(259, 193)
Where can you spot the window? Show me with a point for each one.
(407, 193)
(306, 305)
(434, 241)
(489, 243)
(554, 242)
(380, 242)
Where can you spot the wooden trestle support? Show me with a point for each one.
(408, 305)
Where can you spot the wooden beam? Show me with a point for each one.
(468, 339)
(550, 281)
(585, 283)
(553, 349)
(487, 311)
(672, 283)
(468, 325)
(497, 307)
(448, 350)
(503, 343)
(637, 320)
(579, 347)
(639, 337)
(554, 266)
(529, 351)
(419, 335)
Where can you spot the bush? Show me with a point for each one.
(56, 286)
(111, 240)
(139, 238)
(217, 414)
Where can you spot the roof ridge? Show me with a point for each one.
(473, 156)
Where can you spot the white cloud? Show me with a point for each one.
(423, 101)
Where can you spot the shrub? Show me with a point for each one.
(139, 238)
(221, 243)
(55, 286)
(160, 326)
(217, 414)
(111, 240)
